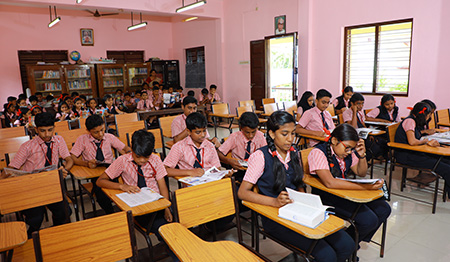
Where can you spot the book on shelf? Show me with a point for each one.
(212, 174)
(306, 209)
(146, 195)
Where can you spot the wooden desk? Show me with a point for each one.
(12, 235)
(137, 210)
(318, 138)
(357, 196)
(441, 151)
(168, 111)
(230, 118)
(382, 124)
(188, 247)
(223, 115)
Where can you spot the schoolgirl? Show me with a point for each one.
(387, 111)
(341, 103)
(64, 112)
(306, 102)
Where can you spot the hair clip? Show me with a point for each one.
(274, 153)
(410, 108)
(331, 165)
(423, 110)
(327, 139)
(292, 148)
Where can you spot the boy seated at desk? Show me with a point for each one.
(95, 148)
(145, 104)
(179, 130)
(156, 99)
(317, 121)
(140, 168)
(43, 150)
(194, 154)
(243, 143)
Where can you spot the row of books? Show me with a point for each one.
(51, 86)
(112, 71)
(79, 73)
(136, 81)
(80, 84)
(141, 70)
(50, 74)
(112, 83)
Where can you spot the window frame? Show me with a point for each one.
(377, 30)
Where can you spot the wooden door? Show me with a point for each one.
(257, 71)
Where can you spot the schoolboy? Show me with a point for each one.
(43, 150)
(213, 95)
(33, 100)
(194, 153)
(203, 98)
(355, 116)
(317, 121)
(137, 97)
(146, 103)
(156, 99)
(12, 100)
(140, 168)
(243, 143)
(179, 90)
(41, 100)
(95, 147)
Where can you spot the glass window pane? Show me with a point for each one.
(281, 57)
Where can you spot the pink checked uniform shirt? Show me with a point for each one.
(374, 113)
(312, 120)
(85, 146)
(348, 115)
(179, 125)
(237, 144)
(149, 105)
(317, 160)
(153, 170)
(32, 154)
(184, 154)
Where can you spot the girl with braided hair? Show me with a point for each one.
(343, 152)
(277, 166)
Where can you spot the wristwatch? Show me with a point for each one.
(363, 156)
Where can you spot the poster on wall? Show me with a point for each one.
(87, 36)
(280, 25)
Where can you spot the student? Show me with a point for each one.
(426, 129)
(179, 90)
(146, 103)
(43, 150)
(95, 147)
(49, 103)
(386, 112)
(75, 94)
(194, 154)
(156, 99)
(203, 98)
(305, 103)
(355, 115)
(33, 100)
(191, 93)
(334, 159)
(317, 121)
(341, 103)
(127, 101)
(24, 114)
(83, 102)
(35, 110)
(64, 113)
(77, 110)
(41, 101)
(9, 114)
(140, 168)
(137, 97)
(243, 143)
(111, 109)
(91, 106)
(12, 100)
(22, 103)
(213, 95)
(277, 166)
(409, 132)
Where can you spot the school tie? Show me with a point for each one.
(247, 151)
(323, 121)
(145, 104)
(198, 159)
(49, 154)
(141, 179)
(99, 154)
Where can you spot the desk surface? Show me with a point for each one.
(167, 111)
(84, 172)
(188, 247)
(328, 227)
(223, 115)
(379, 123)
(137, 210)
(441, 151)
(357, 196)
(319, 138)
(12, 234)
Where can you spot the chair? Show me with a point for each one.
(165, 125)
(242, 109)
(124, 128)
(12, 132)
(159, 143)
(366, 111)
(222, 110)
(330, 109)
(270, 108)
(82, 122)
(62, 126)
(70, 136)
(280, 106)
(11, 145)
(290, 107)
(247, 103)
(266, 101)
(391, 134)
(105, 238)
(125, 118)
(341, 118)
(198, 205)
(443, 118)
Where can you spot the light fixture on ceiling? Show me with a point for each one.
(190, 6)
(190, 19)
(79, 1)
(53, 21)
(136, 26)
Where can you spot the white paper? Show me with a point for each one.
(243, 163)
(146, 195)
(15, 172)
(212, 174)
(361, 181)
(379, 123)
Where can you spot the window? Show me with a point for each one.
(195, 67)
(377, 57)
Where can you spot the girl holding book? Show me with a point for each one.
(273, 168)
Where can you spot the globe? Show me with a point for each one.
(75, 55)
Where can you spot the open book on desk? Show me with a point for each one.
(212, 174)
(16, 172)
(361, 181)
(146, 195)
(307, 209)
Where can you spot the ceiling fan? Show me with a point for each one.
(97, 14)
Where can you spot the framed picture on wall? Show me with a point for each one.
(280, 25)
(87, 36)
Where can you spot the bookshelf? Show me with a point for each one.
(81, 78)
(110, 77)
(136, 75)
(47, 79)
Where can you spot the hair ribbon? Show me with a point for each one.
(274, 153)
(423, 110)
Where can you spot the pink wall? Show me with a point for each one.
(28, 31)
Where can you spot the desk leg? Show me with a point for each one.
(310, 249)
(75, 198)
(146, 234)
(253, 218)
(437, 185)
(10, 255)
(256, 233)
(383, 239)
(215, 125)
(81, 199)
(391, 169)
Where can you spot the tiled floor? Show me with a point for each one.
(413, 233)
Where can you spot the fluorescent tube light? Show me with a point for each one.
(191, 6)
(79, 1)
(190, 19)
(136, 26)
(54, 22)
